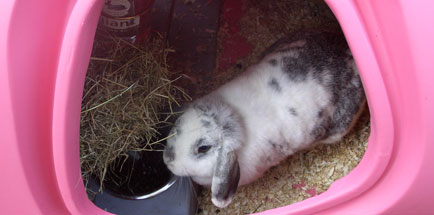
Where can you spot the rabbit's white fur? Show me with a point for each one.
(266, 114)
(263, 116)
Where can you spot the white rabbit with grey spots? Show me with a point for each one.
(305, 90)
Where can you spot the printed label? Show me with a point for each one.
(120, 24)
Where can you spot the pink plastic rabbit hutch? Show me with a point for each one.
(392, 42)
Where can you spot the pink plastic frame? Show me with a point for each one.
(44, 52)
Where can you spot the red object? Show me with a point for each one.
(235, 46)
(295, 186)
(311, 192)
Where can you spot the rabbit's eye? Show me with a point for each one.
(203, 149)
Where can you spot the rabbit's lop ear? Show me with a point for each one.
(225, 179)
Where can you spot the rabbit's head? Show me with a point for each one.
(203, 144)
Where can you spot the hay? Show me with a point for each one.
(127, 87)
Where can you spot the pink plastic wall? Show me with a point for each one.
(44, 52)
(41, 42)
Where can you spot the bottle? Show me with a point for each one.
(127, 19)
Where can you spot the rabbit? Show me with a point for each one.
(305, 90)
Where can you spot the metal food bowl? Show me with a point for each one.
(177, 197)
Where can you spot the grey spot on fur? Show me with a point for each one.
(199, 142)
(211, 115)
(320, 52)
(169, 154)
(177, 122)
(207, 113)
(348, 96)
(322, 129)
(326, 58)
(275, 85)
(202, 107)
(227, 171)
(178, 131)
(344, 116)
(228, 128)
(321, 113)
(273, 144)
(295, 68)
(280, 147)
(269, 159)
(215, 118)
(293, 112)
(273, 62)
(286, 144)
(205, 123)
